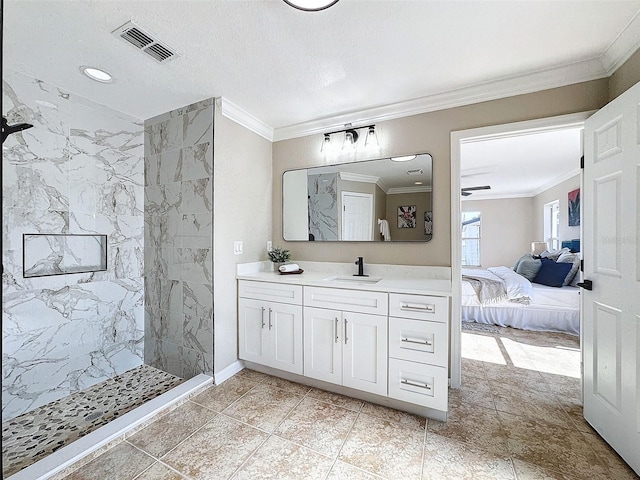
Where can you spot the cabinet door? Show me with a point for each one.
(284, 324)
(323, 344)
(252, 331)
(364, 352)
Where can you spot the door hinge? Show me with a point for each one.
(582, 161)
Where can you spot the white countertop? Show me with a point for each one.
(393, 278)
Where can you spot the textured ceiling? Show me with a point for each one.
(286, 67)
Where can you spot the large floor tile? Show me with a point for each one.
(344, 471)
(445, 458)
(391, 414)
(473, 391)
(219, 397)
(336, 399)
(479, 427)
(527, 471)
(617, 467)
(282, 460)
(122, 462)
(472, 368)
(264, 406)
(166, 432)
(216, 450)
(251, 375)
(289, 386)
(317, 425)
(525, 378)
(384, 448)
(158, 471)
(552, 447)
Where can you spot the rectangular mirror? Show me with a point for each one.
(389, 199)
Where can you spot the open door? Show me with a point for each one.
(611, 289)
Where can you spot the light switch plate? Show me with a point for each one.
(237, 247)
(269, 246)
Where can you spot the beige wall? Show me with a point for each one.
(242, 211)
(506, 230)
(625, 77)
(422, 201)
(559, 192)
(429, 132)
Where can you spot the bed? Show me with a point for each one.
(500, 296)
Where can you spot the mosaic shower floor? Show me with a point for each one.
(35, 434)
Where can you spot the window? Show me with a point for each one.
(552, 224)
(471, 239)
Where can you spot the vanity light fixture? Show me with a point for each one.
(404, 158)
(351, 137)
(311, 5)
(97, 74)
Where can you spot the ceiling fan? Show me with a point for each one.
(465, 192)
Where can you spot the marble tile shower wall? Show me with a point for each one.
(179, 240)
(80, 169)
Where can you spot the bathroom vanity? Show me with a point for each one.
(382, 338)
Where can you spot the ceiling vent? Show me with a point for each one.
(143, 40)
(415, 172)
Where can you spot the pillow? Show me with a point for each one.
(554, 254)
(551, 273)
(527, 256)
(575, 261)
(529, 267)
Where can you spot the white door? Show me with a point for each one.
(611, 310)
(253, 334)
(357, 216)
(323, 344)
(285, 337)
(364, 352)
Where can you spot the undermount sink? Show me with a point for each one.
(353, 280)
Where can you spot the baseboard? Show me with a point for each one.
(228, 372)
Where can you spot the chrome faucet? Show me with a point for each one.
(360, 263)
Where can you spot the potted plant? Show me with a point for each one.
(279, 256)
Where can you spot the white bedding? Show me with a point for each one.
(549, 309)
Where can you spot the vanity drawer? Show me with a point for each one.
(420, 307)
(425, 385)
(271, 292)
(419, 341)
(360, 301)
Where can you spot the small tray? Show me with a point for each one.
(291, 273)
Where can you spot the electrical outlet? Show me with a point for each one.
(269, 246)
(237, 247)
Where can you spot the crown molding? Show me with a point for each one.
(400, 190)
(556, 181)
(623, 46)
(357, 177)
(504, 196)
(242, 117)
(529, 82)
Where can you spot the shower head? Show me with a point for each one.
(9, 129)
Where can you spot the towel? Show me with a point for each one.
(289, 267)
(384, 230)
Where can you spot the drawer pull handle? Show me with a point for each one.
(419, 342)
(345, 331)
(262, 317)
(418, 307)
(336, 329)
(426, 386)
(270, 324)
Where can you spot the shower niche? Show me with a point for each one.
(61, 254)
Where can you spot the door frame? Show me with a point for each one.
(465, 136)
(368, 196)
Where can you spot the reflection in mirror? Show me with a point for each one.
(376, 200)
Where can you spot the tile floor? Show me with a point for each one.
(517, 416)
(35, 434)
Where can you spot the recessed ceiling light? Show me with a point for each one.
(417, 183)
(310, 5)
(97, 74)
(404, 158)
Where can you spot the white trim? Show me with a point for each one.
(368, 196)
(357, 177)
(228, 372)
(244, 118)
(398, 190)
(557, 181)
(623, 46)
(67, 456)
(529, 82)
(458, 138)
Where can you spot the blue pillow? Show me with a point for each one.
(551, 273)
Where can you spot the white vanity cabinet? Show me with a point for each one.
(270, 325)
(419, 349)
(345, 341)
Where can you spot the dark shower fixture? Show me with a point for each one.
(9, 129)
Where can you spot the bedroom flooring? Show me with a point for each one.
(517, 416)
